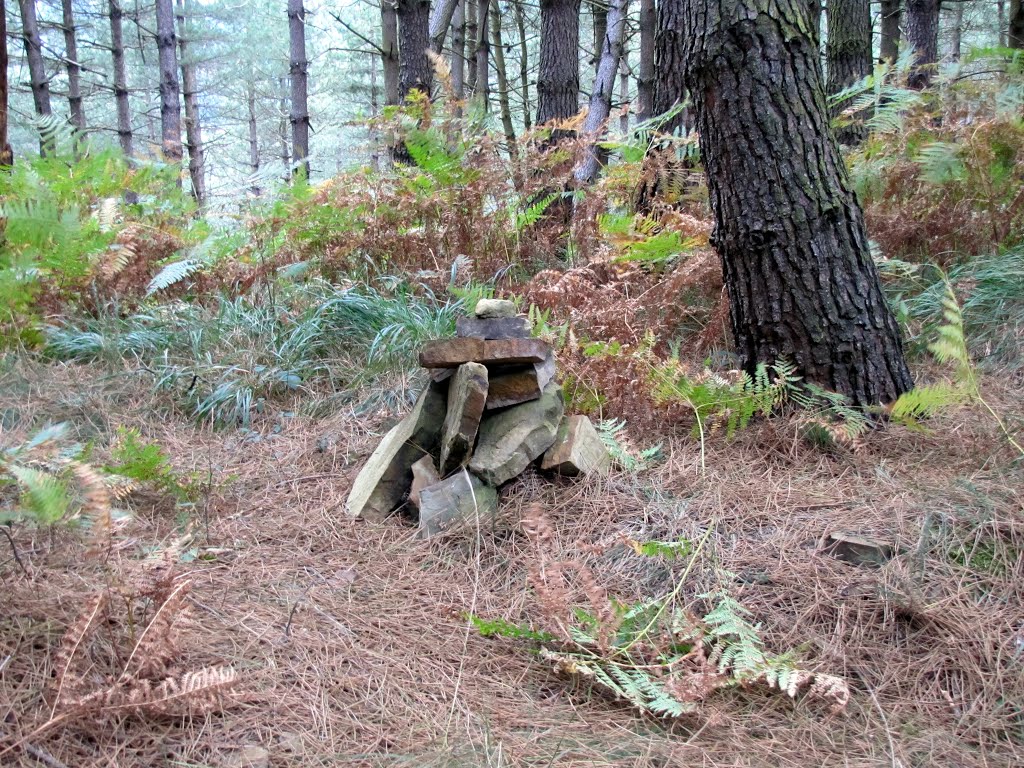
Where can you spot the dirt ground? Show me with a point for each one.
(351, 644)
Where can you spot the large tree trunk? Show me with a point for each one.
(524, 63)
(389, 46)
(669, 64)
(6, 154)
(124, 112)
(922, 19)
(75, 105)
(848, 55)
(558, 79)
(802, 286)
(1015, 32)
(36, 67)
(415, 72)
(482, 87)
(503, 89)
(440, 20)
(601, 93)
(458, 57)
(170, 107)
(889, 48)
(298, 68)
(193, 127)
(645, 77)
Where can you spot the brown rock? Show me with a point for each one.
(858, 549)
(493, 328)
(520, 384)
(424, 474)
(451, 353)
(578, 450)
(467, 394)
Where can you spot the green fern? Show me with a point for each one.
(740, 649)
(172, 274)
(44, 497)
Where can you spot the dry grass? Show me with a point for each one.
(350, 640)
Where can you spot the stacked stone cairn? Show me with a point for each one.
(491, 409)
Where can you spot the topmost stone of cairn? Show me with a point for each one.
(490, 308)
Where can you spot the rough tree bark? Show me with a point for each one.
(848, 56)
(458, 57)
(389, 48)
(922, 20)
(471, 35)
(558, 79)
(6, 154)
(298, 69)
(645, 76)
(503, 90)
(414, 70)
(601, 93)
(440, 20)
(193, 126)
(36, 68)
(599, 16)
(669, 64)
(788, 228)
(524, 63)
(170, 107)
(889, 47)
(124, 112)
(482, 86)
(75, 106)
(1015, 31)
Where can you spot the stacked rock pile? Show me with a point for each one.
(491, 409)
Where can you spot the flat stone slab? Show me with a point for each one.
(451, 353)
(386, 478)
(461, 500)
(520, 384)
(495, 308)
(578, 450)
(424, 475)
(511, 439)
(493, 328)
(467, 393)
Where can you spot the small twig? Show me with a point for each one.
(14, 550)
(42, 756)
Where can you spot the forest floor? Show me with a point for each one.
(352, 644)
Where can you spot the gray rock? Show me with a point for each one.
(510, 439)
(451, 353)
(386, 478)
(578, 450)
(424, 475)
(495, 308)
(493, 327)
(461, 500)
(511, 385)
(858, 549)
(467, 394)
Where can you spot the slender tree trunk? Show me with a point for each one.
(558, 79)
(458, 57)
(669, 90)
(923, 36)
(1001, 21)
(389, 46)
(645, 79)
(286, 156)
(956, 30)
(36, 68)
(298, 69)
(254, 142)
(6, 153)
(848, 56)
(601, 93)
(503, 89)
(483, 51)
(801, 282)
(813, 8)
(124, 112)
(1015, 33)
(599, 16)
(193, 126)
(440, 20)
(75, 105)
(471, 37)
(524, 63)
(415, 71)
(624, 94)
(170, 106)
(889, 48)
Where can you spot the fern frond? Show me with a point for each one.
(45, 496)
(922, 402)
(172, 274)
